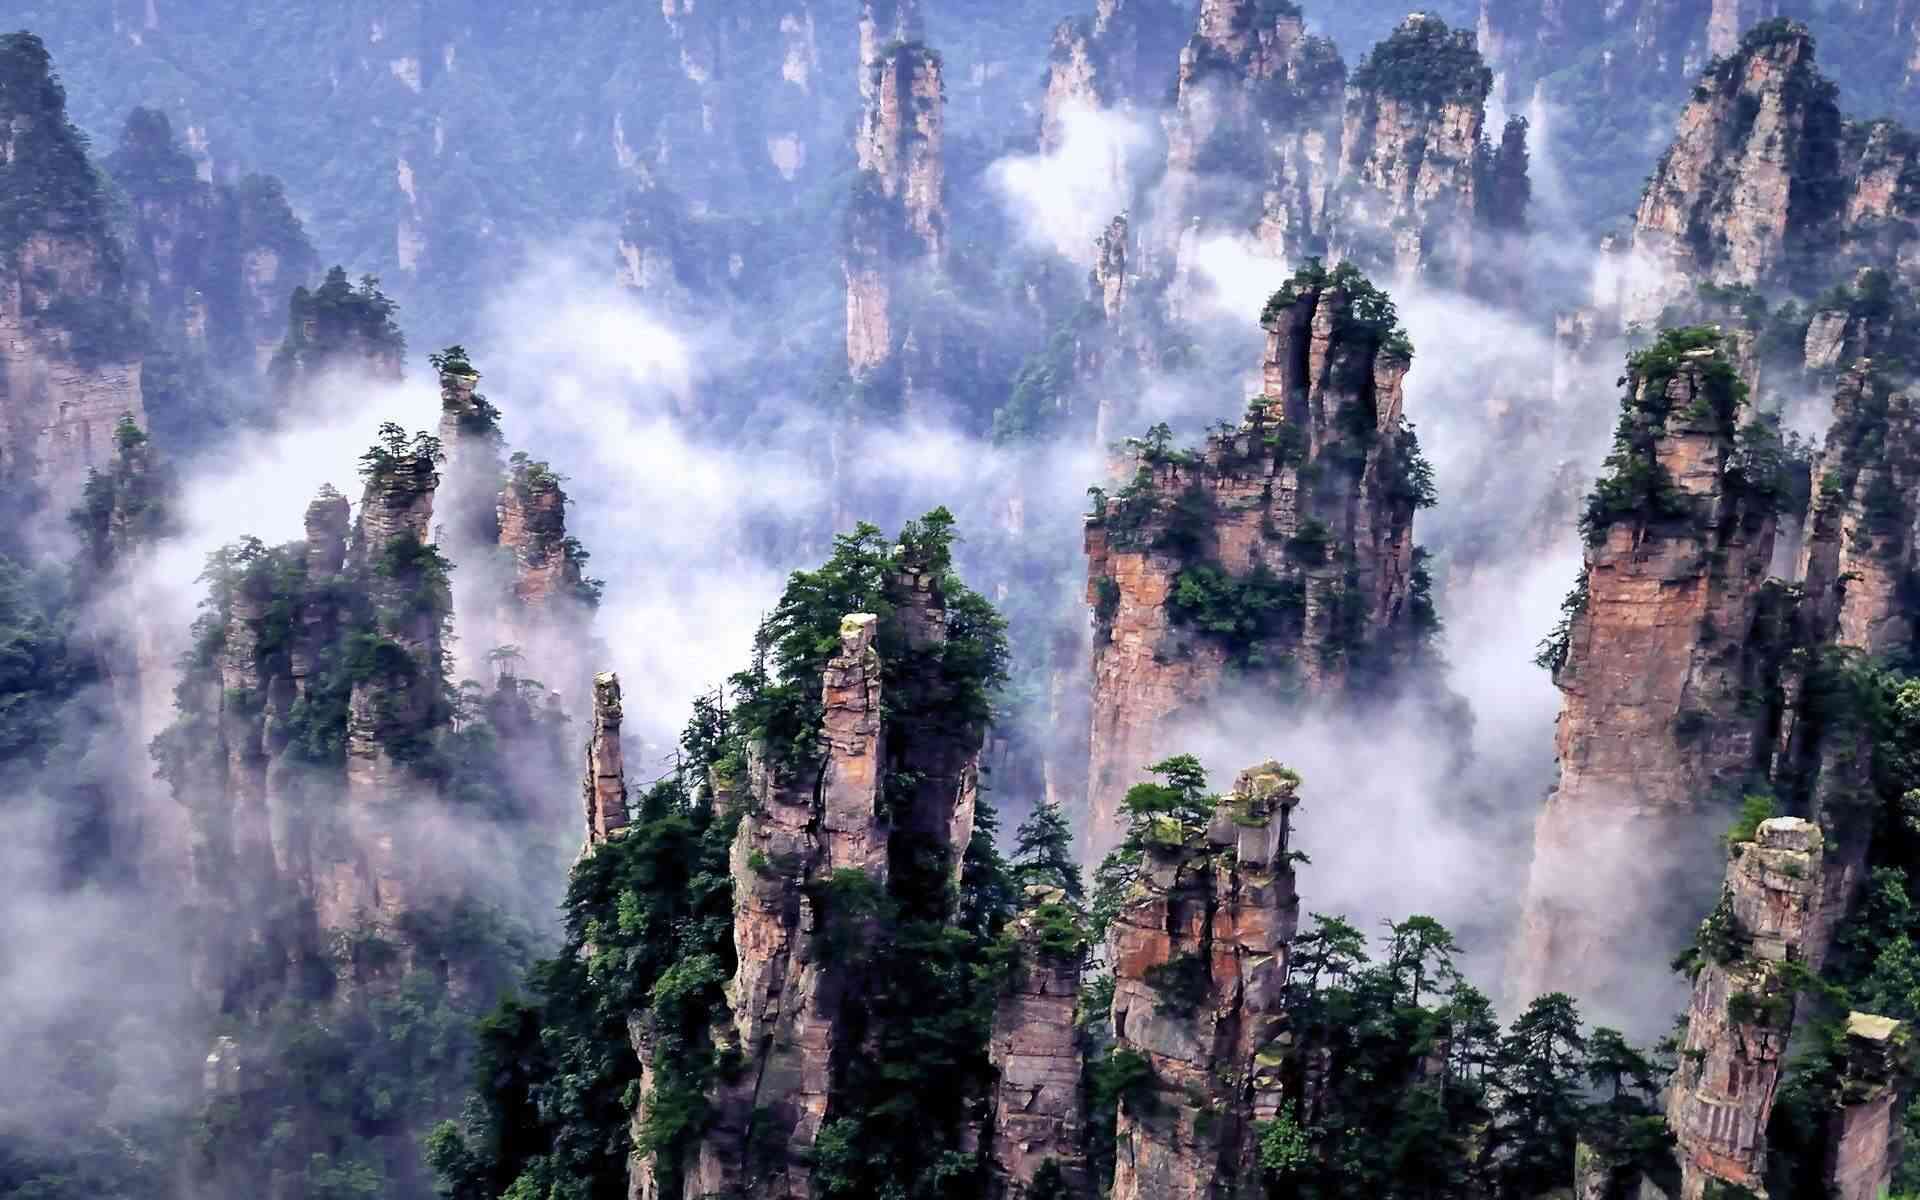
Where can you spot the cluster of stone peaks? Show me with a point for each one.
(1301, 514)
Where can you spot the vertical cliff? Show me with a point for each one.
(1663, 660)
(1039, 1114)
(1199, 953)
(401, 695)
(1766, 185)
(70, 350)
(896, 224)
(1741, 1012)
(1254, 134)
(1114, 60)
(606, 782)
(1280, 553)
(1867, 1135)
(1409, 154)
(212, 263)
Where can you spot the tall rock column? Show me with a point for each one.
(1741, 1012)
(1665, 647)
(606, 782)
(1257, 102)
(897, 223)
(70, 354)
(1200, 966)
(402, 696)
(1866, 1135)
(1306, 508)
(1409, 154)
(816, 837)
(1039, 1114)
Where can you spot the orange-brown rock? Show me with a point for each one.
(1311, 498)
(1657, 729)
(605, 786)
(1865, 1134)
(806, 824)
(1741, 1013)
(1039, 1114)
(1200, 965)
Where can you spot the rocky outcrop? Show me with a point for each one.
(338, 326)
(1115, 60)
(1767, 186)
(606, 781)
(212, 263)
(1741, 1012)
(1302, 515)
(1039, 1114)
(1866, 1133)
(896, 223)
(70, 356)
(1255, 129)
(1199, 953)
(815, 839)
(400, 699)
(1662, 656)
(1410, 153)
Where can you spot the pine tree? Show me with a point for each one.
(1043, 851)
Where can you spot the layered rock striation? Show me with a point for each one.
(1199, 953)
(1278, 556)
(1742, 1007)
(843, 836)
(70, 354)
(1039, 1113)
(1663, 662)
(896, 224)
(1766, 185)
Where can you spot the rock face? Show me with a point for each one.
(1307, 506)
(606, 782)
(1665, 643)
(1866, 1134)
(896, 224)
(1245, 83)
(1383, 169)
(1114, 60)
(1039, 1114)
(1410, 154)
(400, 699)
(70, 364)
(829, 842)
(1742, 1008)
(1767, 186)
(212, 263)
(1200, 967)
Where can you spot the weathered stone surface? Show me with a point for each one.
(1038, 1110)
(1656, 727)
(58, 410)
(606, 782)
(1866, 1134)
(1297, 490)
(1259, 100)
(1200, 965)
(1741, 1013)
(786, 1000)
(1765, 186)
(1407, 182)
